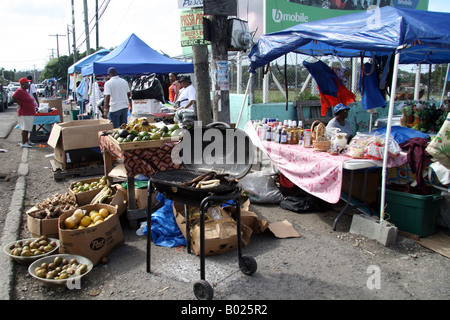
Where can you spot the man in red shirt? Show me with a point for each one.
(25, 111)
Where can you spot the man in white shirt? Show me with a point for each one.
(186, 97)
(33, 92)
(117, 98)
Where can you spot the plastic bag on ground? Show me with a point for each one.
(260, 188)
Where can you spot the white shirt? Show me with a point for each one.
(186, 94)
(117, 88)
(32, 90)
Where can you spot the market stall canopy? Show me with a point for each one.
(86, 61)
(134, 56)
(425, 35)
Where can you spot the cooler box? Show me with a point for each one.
(416, 214)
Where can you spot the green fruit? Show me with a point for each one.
(120, 139)
(155, 136)
(134, 132)
(173, 127)
(137, 139)
(126, 140)
(166, 135)
(143, 134)
(164, 129)
(145, 138)
(123, 133)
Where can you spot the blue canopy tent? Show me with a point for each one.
(134, 56)
(415, 37)
(88, 60)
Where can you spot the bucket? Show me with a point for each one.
(413, 213)
(74, 114)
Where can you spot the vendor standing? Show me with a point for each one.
(186, 98)
(117, 98)
(340, 122)
(25, 111)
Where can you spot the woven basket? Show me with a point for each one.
(319, 136)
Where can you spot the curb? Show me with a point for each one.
(12, 227)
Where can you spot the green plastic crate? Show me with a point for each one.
(416, 214)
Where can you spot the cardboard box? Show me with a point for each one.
(220, 236)
(41, 227)
(84, 198)
(75, 143)
(55, 103)
(146, 106)
(94, 242)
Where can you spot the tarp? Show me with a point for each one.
(425, 34)
(134, 56)
(86, 61)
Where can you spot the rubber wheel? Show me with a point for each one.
(248, 265)
(203, 290)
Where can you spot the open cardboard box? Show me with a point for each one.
(75, 143)
(94, 242)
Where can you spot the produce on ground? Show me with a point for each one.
(105, 196)
(54, 206)
(35, 247)
(81, 218)
(60, 269)
(79, 186)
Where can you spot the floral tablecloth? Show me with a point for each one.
(142, 161)
(317, 173)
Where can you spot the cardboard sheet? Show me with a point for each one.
(283, 229)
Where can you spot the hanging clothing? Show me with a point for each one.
(418, 159)
(331, 89)
(371, 96)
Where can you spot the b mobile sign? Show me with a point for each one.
(282, 14)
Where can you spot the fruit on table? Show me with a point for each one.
(60, 269)
(31, 248)
(141, 130)
(81, 218)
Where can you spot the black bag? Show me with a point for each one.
(303, 202)
(147, 87)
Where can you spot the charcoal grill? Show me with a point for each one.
(170, 184)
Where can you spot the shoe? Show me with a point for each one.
(30, 143)
(24, 145)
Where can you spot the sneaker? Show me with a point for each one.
(30, 143)
(24, 145)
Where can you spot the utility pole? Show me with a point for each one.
(86, 28)
(68, 39)
(57, 41)
(219, 10)
(97, 41)
(73, 34)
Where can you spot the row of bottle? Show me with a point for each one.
(287, 132)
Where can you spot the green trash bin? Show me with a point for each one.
(413, 213)
(74, 114)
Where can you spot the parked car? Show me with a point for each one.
(40, 89)
(3, 98)
(11, 92)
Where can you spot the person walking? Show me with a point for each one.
(117, 97)
(25, 111)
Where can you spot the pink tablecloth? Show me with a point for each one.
(317, 173)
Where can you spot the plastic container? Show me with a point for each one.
(416, 214)
(307, 143)
(74, 114)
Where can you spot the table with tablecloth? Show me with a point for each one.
(145, 161)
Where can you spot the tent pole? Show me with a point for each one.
(388, 134)
(245, 98)
(445, 85)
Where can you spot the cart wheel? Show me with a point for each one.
(248, 265)
(203, 290)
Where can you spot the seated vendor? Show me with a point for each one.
(340, 121)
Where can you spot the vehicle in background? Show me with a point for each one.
(3, 98)
(10, 94)
(40, 89)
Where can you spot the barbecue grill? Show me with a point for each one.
(226, 153)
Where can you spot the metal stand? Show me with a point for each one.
(247, 264)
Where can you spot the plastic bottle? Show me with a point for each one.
(278, 134)
(294, 133)
(300, 132)
(284, 135)
(307, 143)
(268, 133)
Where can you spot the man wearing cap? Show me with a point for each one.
(186, 98)
(340, 121)
(25, 111)
(117, 98)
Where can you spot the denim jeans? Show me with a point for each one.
(118, 117)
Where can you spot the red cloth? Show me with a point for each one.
(26, 101)
(418, 158)
(344, 96)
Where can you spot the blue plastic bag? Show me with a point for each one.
(165, 231)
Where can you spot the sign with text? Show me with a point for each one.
(191, 28)
(186, 4)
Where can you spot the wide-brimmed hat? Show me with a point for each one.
(340, 107)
